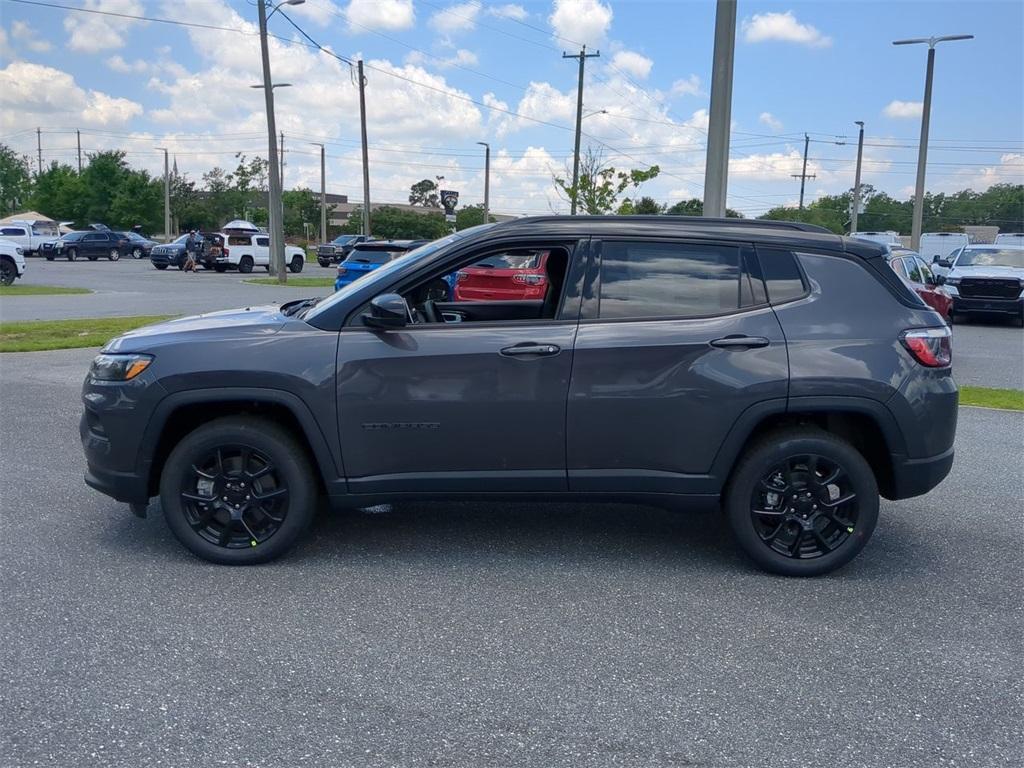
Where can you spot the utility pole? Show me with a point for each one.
(323, 192)
(716, 168)
(79, 134)
(856, 179)
(922, 150)
(167, 197)
(366, 153)
(582, 56)
(39, 147)
(803, 175)
(487, 180)
(274, 176)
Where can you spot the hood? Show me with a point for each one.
(247, 323)
(987, 271)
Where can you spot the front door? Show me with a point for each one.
(675, 342)
(469, 397)
(94, 244)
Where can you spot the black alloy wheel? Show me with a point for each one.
(245, 265)
(238, 490)
(296, 265)
(802, 502)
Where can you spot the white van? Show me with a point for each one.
(939, 245)
(885, 238)
(1010, 238)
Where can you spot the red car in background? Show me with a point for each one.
(509, 276)
(918, 275)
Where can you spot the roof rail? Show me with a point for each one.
(799, 226)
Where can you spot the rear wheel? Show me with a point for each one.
(114, 254)
(296, 264)
(219, 268)
(238, 491)
(7, 272)
(802, 502)
(160, 266)
(245, 264)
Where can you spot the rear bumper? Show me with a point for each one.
(964, 305)
(915, 477)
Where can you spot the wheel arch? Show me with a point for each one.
(179, 414)
(867, 424)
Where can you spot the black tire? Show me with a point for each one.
(49, 258)
(219, 268)
(245, 265)
(297, 506)
(181, 266)
(93, 258)
(8, 272)
(72, 254)
(137, 253)
(160, 266)
(323, 262)
(114, 254)
(816, 529)
(296, 264)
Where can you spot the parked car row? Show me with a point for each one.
(240, 245)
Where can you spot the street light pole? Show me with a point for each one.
(922, 150)
(716, 168)
(323, 192)
(856, 180)
(487, 180)
(167, 197)
(366, 151)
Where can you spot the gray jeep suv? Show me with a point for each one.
(772, 369)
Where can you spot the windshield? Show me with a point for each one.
(384, 273)
(343, 239)
(74, 235)
(992, 257)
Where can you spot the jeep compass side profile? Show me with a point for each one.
(776, 370)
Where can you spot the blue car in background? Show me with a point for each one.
(368, 256)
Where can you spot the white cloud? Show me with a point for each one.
(462, 58)
(380, 14)
(455, 18)
(118, 64)
(581, 21)
(23, 102)
(23, 33)
(1009, 170)
(903, 109)
(774, 166)
(509, 11)
(768, 119)
(783, 27)
(689, 86)
(93, 33)
(632, 63)
(320, 12)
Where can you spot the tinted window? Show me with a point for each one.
(781, 274)
(371, 256)
(263, 241)
(12, 231)
(95, 237)
(72, 236)
(640, 279)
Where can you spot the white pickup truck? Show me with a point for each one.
(245, 250)
(12, 261)
(25, 235)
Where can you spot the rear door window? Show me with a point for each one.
(898, 267)
(913, 270)
(646, 279)
(263, 242)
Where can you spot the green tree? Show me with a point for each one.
(424, 193)
(470, 216)
(645, 206)
(600, 185)
(695, 207)
(139, 200)
(101, 179)
(301, 207)
(58, 193)
(15, 181)
(391, 223)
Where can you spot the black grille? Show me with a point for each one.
(985, 288)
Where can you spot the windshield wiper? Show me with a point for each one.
(294, 307)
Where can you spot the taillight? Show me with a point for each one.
(341, 270)
(528, 279)
(460, 276)
(225, 251)
(931, 347)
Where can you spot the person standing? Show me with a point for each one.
(193, 249)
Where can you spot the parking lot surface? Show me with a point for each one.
(129, 287)
(500, 634)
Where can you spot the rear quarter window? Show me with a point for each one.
(781, 273)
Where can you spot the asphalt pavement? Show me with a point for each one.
(500, 634)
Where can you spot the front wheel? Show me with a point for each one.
(245, 265)
(7, 272)
(296, 264)
(160, 266)
(238, 491)
(136, 253)
(72, 254)
(114, 254)
(802, 502)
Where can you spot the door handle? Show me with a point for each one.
(741, 341)
(539, 350)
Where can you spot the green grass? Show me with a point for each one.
(37, 336)
(296, 282)
(23, 289)
(987, 397)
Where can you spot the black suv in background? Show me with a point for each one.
(91, 245)
(775, 369)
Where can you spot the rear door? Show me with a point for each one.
(94, 244)
(675, 342)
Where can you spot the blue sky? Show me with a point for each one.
(814, 67)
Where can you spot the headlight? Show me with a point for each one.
(19, 251)
(952, 281)
(118, 367)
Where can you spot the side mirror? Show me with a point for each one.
(945, 263)
(934, 280)
(389, 310)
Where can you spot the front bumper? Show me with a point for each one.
(963, 305)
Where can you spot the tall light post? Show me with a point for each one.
(922, 150)
(487, 179)
(275, 214)
(716, 164)
(167, 196)
(856, 179)
(323, 192)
